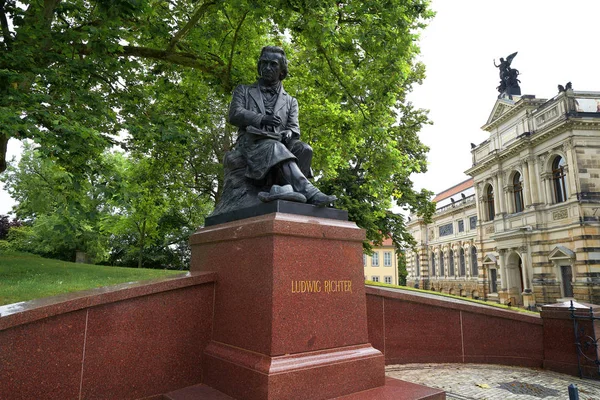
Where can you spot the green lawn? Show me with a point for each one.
(25, 276)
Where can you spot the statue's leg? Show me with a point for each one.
(289, 173)
(304, 154)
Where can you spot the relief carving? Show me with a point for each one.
(560, 214)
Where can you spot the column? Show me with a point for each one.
(526, 183)
(508, 201)
(571, 170)
(526, 264)
(539, 181)
(533, 180)
(503, 272)
(547, 180)
(478, 201)
(498, 195)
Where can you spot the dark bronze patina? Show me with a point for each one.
(509, 82)
(269, 161)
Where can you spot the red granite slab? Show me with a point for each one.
(290, 310)
(490, 339)
(196, 392)
(43, 360)
(416, 332)
(24, 312)
(396, 389)
(262, 263)
(375, 321)
(393, 389)
(305, 376)
(147, 345)
(560, 351)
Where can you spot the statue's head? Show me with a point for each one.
(269, 56)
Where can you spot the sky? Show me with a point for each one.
(557, 42)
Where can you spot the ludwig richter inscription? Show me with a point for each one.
(318, 286)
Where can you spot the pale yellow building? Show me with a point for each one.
(535, 205)
(382, 265)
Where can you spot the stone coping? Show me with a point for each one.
(12, 315)
(281, 224)
(455, 304)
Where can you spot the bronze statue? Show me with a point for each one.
(268, 162)
(509, 82)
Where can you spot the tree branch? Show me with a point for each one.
(235, 39)
(339, 79)
(205, 64)
(190, 24)
(4, 23)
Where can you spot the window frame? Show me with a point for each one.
(375, 259)
(489, 202)
(386, 255)
(517, 188)
(559, 184)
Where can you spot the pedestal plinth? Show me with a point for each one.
(290, 312)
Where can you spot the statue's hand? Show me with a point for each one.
(271, 120)
(286, 136)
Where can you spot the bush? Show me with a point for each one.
(6, 224)
(5, 246)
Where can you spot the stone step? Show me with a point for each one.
(394, 389)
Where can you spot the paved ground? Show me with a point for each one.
(494, 382)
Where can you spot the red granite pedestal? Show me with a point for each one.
(290, 309)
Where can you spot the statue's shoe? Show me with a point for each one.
(285, 192)
(321, 199)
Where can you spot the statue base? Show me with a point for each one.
(278, 206)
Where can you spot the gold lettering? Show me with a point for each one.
(316, 286)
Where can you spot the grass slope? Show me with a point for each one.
(26, 276)
(468, 299)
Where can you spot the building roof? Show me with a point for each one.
(454, 190)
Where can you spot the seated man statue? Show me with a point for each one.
(268, 162)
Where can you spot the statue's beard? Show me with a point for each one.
(268, 78)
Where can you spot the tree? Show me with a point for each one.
(65, 210)
(77, 77)
(6, 224)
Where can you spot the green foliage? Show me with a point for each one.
(155, 78)
(26, 276)
(5, 246)
(127, 212)
(402, 271)
(6, 224)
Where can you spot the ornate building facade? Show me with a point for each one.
(525, 228)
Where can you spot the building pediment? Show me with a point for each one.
(489, 259)
(561, 253)
(501, 107)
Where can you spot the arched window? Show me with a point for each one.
(474, 266)
(489, 202)
(518, 192)
(451, 263)
(432, 263)
(461, 261)
(442, 263)
(558, 176)
(417, 265)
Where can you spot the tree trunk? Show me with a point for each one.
(142, 240)
(3, 147)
